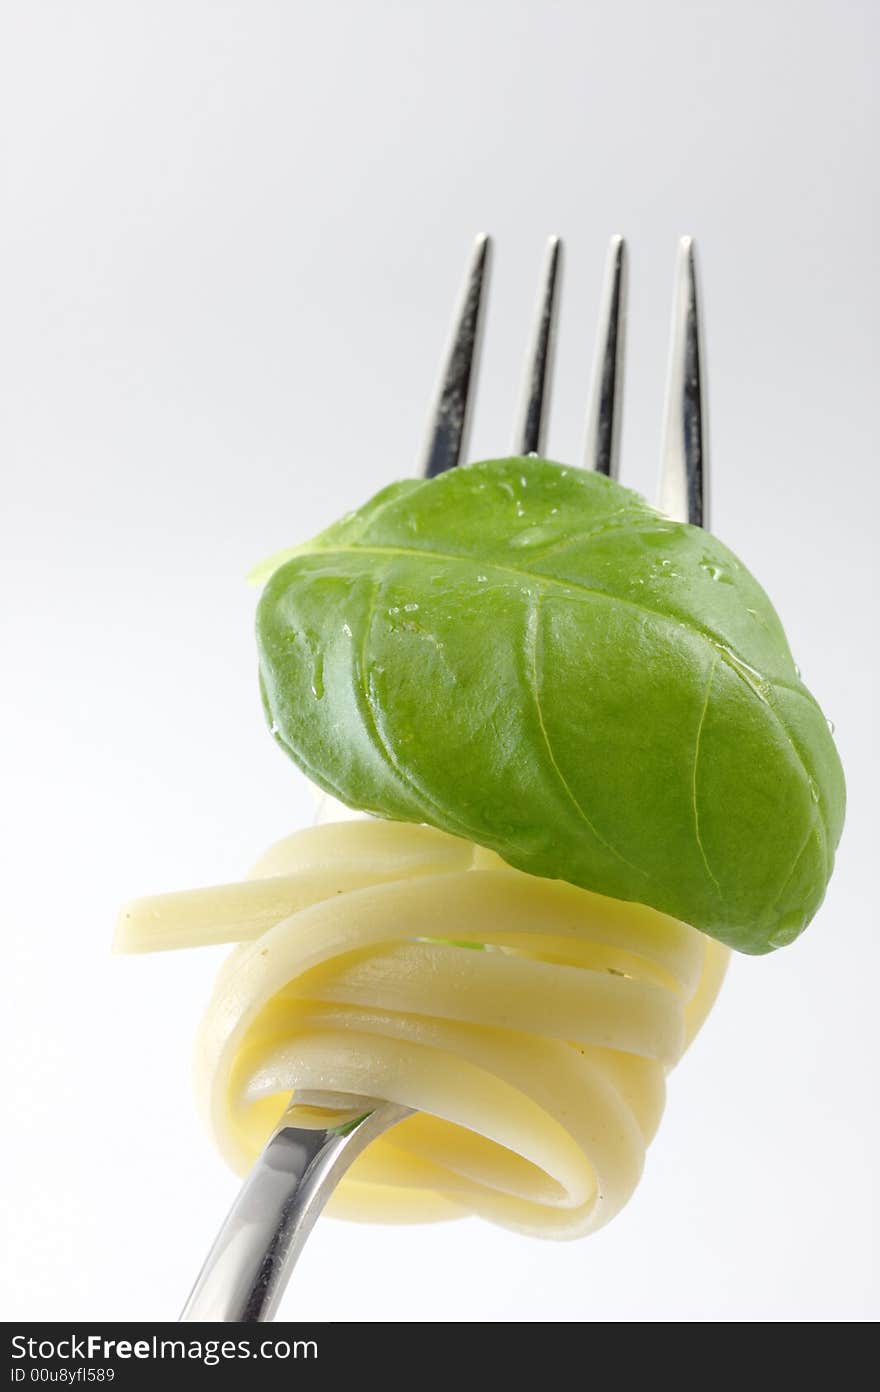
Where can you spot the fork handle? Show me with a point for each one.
(256, 1249)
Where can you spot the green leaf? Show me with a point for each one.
(531, 657)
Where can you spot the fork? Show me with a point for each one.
(253, 1256)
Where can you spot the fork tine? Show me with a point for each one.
(531, 417)
(450, 412)
(685, 457)
(602, 447)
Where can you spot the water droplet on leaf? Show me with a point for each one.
(715, 572)
(318, 678)
(533, 536)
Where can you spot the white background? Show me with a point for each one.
(230, 239)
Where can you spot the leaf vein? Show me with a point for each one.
(366, 700)
(533, 621)
(697, 748)
(367, 704)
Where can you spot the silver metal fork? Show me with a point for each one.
(251, 1261)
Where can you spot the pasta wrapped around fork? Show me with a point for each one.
(528, 1022)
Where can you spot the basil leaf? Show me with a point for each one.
(531, 657)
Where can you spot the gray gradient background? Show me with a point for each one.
(230, 239)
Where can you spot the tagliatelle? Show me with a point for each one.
(536, 1065)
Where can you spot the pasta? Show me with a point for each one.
(530, 1023)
